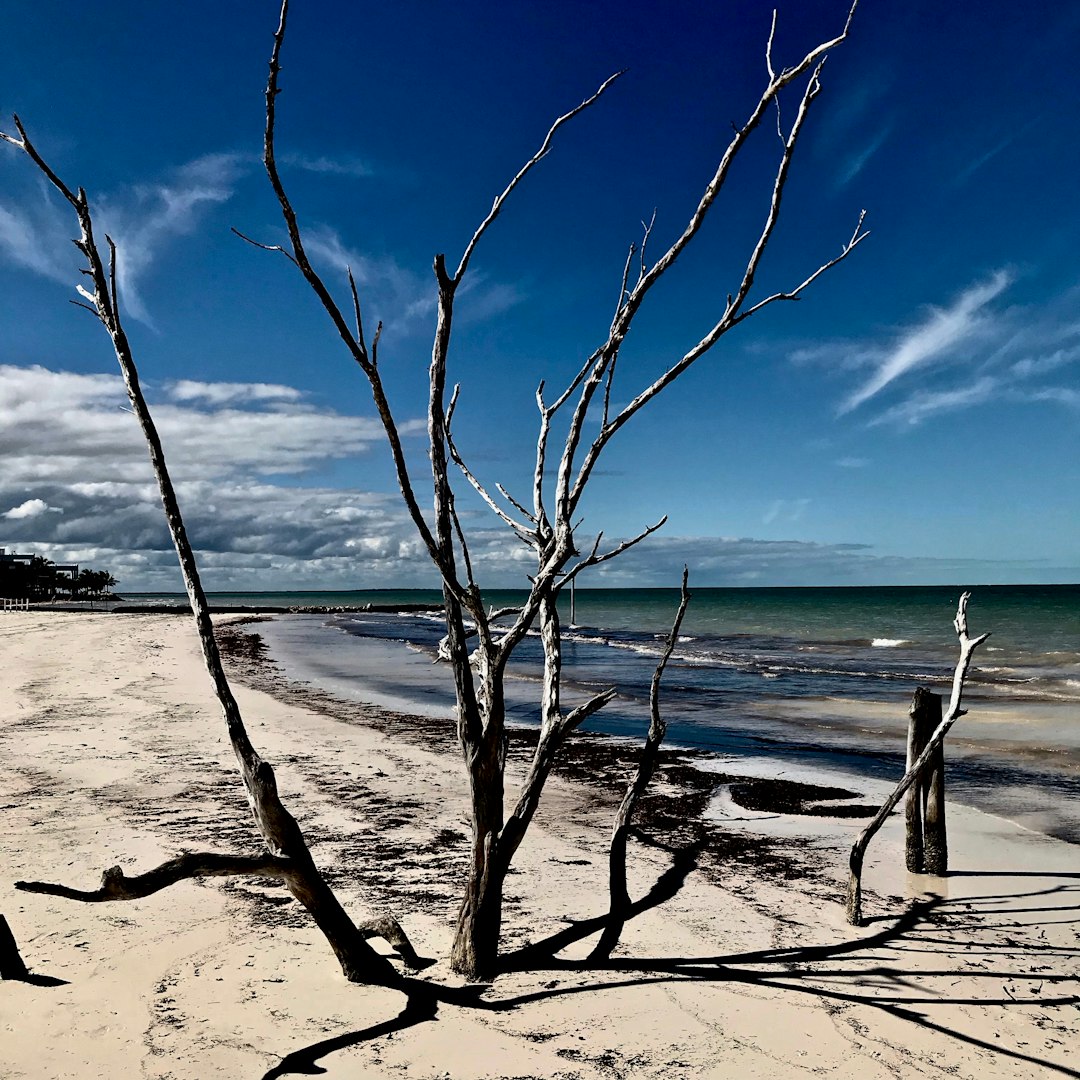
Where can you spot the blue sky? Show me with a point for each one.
(913, 419)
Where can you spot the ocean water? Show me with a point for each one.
(805, 677)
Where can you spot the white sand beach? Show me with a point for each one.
(113, 751)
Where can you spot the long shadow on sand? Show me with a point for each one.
(868, 971)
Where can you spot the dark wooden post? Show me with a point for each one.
(11, 963)
(926, 849)
(915, 804)
(935, 840)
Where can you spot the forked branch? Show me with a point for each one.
(570, 484)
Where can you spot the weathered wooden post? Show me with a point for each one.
(968, 645)
(935, 841)
(916, 800)
(926, 847)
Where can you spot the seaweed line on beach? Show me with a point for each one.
(671, 816)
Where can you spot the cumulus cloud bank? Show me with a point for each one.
(76, 476)
(77, 487)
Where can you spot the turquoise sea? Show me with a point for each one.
(809, 677)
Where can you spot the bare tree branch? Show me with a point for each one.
(117, 886)
(594, 558)
(515, 504)
(264, 247)
(622, 285)
(617, 890)
(545, 146)
(357, 316)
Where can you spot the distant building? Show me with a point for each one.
(34, 576)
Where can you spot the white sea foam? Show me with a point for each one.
(887, 642)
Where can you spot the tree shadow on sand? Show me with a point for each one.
(873, 971)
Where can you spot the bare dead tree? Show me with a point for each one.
(547, 522)
(618, 894)
(968, 645)
(287, 856)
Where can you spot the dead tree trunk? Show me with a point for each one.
(619, 895)
(968, 646)
(279, 829)
(549, 525)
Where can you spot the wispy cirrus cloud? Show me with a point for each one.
(143, 219)
(334, 166)
(931, 338)
(926, 403)
(29, 239)
(401, 298)
(785, 510)
(969, 352)
(857, 161)
(397, 296)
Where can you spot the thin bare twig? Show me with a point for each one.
(264, 247)
(545, 146)
(594, 559)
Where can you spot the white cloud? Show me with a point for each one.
(31, 241)
(222, 393)
(924, 404)
(63, 437)
(343, 166)
(942, 330)
(75, 429)
(29, 509)
(144, 220)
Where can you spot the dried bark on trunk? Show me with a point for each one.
(968, 645)
(619, 895)
(279, 830)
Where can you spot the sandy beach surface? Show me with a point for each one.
(113, 751)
